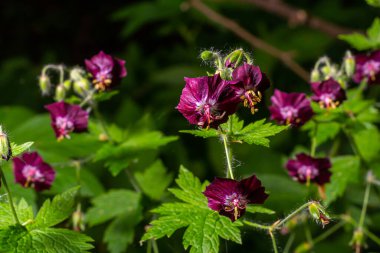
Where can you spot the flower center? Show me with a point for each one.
(327, 101)
(371, 68)
(209, 114)
(32, 174)
(235, 203)
(289, 113)
(307, 172)
(64, 125)
(250, 99)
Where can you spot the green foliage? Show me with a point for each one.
(364, 136)
(374, 3)
(154, 180)
(204, 226)
(323, 132)
(259, 209)
(345, 170)
(361, 42)
(204, 133)
(19, 149)
(36, 234)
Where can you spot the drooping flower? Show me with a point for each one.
(290, 108)
(367, 67)
(329, 94)
(31, 171)
(306, 169)
(251, 84)
(207, 101)
(230, 197)
(106, 70)
(67, 118)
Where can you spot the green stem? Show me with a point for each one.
(256, 225)
(289, 243)
(88, 98)
(155, 247)
(329, 232)
(290, 216)
(227, 150)
(365, 204)
(11, 204)
(103, 125)
(274, 244)
(314, 140)
(309, 237)
(132, 180)
(372, 236)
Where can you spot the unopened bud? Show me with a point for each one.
(45, 84)
(82, 86)
(226, 74)
(234, 59)
(78, 220)
(60, 92)
(319, 213)
(349, 64)
(5, 146)
(302, 248)
(207, 55)
(67, 84)
(315, 76)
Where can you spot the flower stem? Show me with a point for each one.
(289, 243)
(227, 150)
(256, 225)
(274, 244)
(290, 216)
(314, 140)
(365, 204)
(9, 196)
(103, 125)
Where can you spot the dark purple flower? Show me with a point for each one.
(106, 70)
(305, 169)
(67, 118)
(329, 93)
(230, 197)
(367, 67)
(290, 108)
(251, 84)
(31, 171)
(207, 101)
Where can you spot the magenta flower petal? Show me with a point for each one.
(31, 171)
(306, 168)
(367, 67)
(290, 108)
(106, 71)
(230, 197)
(67, 118)
(207, 101)
(329, 93)
(251, 84)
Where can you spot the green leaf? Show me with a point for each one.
(154, 180)
(46, 240)
(256, 133)
(259, 209)
(374, 3)
(121, 231)
(204, 226)
(103, 96)
(364, 136)
(325, 131)
(23, 210)
(361, 42)
(111, 205)
(345, 170)
(204, 133)
(19, 149)
(54, 212)
(374, 31)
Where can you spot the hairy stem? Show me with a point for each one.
(274, 244)
(256, 225)
(11, 204)
(228, 152)
(365, 204)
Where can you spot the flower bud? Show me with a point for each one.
(234, 59)
(319, 213)
(60, 92)
(349, 64)
(67, 84)
(5, 146)
(207, 55)
(78, 220)
(315, 76)
(45, 84)
(82, 86)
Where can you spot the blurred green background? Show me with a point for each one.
(160, 41)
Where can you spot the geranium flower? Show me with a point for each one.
(31, 171)
(67, 118)
(252, 83)
(329, 93)
(290, 108)
(367, 67)
(106, 70)
(306, 169)
(207, 101)
(230, 197)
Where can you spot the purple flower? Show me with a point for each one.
(290, 108)
(31, 171)
(367, 67)
(251, 84)
(207, 101)
(230, 197)
(305, 169)
(66, 118)
(106, 70)
(329, 93)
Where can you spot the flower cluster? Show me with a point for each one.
(208, 101)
